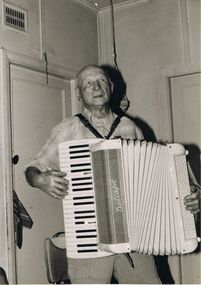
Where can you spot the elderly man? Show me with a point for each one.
(94, 89)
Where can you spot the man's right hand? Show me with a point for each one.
(53, 183)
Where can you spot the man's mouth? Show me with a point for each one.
(98, 96)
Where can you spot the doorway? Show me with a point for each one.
(36, 107)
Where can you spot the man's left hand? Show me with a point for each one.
(192, 201)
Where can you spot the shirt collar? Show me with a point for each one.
(108, 120)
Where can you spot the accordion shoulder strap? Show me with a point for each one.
(94, 131)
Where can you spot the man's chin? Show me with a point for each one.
(99, 101)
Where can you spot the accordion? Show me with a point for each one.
(126, 195)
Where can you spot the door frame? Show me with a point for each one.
(6, 183)
(8, 58)
(163, 88)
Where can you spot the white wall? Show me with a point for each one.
(71, 34)
(154, 39)
(65, 29)
(29, 43)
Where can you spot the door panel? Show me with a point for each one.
(36, 109)
(186, 98)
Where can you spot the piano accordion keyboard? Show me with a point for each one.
(79, 205)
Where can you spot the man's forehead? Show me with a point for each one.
(92, 72)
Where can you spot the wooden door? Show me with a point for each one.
(186, 123)
(186, 98)
(35, 109)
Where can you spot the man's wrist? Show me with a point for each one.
(37, 179)
(33, 176)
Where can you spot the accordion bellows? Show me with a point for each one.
(126, 195)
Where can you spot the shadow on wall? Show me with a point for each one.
(119, 90)
(119, 86)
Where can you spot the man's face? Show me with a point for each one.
(94, 87)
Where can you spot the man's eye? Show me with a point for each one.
(88, 84)
(103, 80)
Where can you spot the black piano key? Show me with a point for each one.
(79, 151)
(83, 198)
(80, 156)
(84, 212)
(87, 245)
(80, 184)
(84, 217)
(87, 236)
(80, 164)
(85, 231)
(78, 146)
(80, 170)
(80, 178)
(83, 203)
(87, 250)
(82, 189)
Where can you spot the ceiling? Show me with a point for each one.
(106, 3)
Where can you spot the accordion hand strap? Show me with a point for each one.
(94, 131)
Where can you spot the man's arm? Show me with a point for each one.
(51, 182)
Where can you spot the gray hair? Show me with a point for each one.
(79, 74)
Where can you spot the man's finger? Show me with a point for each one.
(57, 193)
(58, 173)
(56, 196)
(62, 181)
(191, 197)
(61, 188)
(192, 207)
(191, 202)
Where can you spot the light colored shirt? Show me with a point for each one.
(73, 129)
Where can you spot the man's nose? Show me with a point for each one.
(97, 85)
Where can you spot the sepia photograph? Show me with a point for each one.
(100, 141)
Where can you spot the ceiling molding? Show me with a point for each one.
(128, 4)
(86, 4)
(125, 4)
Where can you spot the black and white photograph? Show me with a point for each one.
(100, 141)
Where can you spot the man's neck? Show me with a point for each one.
(99, 111)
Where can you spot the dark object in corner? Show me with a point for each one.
(3, 277)
(21, 218)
